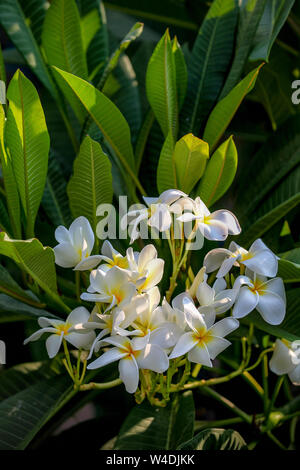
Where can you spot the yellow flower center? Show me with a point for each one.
(202, 337)
(258, 287)
(63, 328)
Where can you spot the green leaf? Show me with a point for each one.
(11, 191)
(12, 310)
(189, 157)
(289, 329)
(35, 395)
(107, 117)
(216, 439)
(61, 38)
(34, 12)
(36, 260)
(55, 199)
(181, 72)
(273, 164)
(91, 183)
(9, 286)
(149, 428)
(14, 23)
(98, 48)
(2, 67)
(225, 110)
(280, 202)
(131, 36)
(166, 172)
(4, 217)
(250, 15)
(272, 20)
(208, 64)
(289, 266)
(219, 173)
(28, 144)
(161, 85)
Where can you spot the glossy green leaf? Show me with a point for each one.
(4, 217)
(61, 38)
(11, 191)
(9, 286)
(2, 67)
(12, 310)
(208, 64)
(215, 439)
(289, 266)
(275, 159)
(36, 260)
(27, 141)
(225, 110)
(166, 171)
(35, 395)
(91, 183)
(181, 72)
(250, 16)
(161, 85)
(280, 202)
(131, 36)
(55, 200)
(106, 115)
(219, 174)
(34, 12)
(272, 20)
(150, 428)
(189, 158)
(14, 23)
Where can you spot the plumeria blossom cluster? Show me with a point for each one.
(148, 334)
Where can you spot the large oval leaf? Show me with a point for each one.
(216, 439)
(27, 141)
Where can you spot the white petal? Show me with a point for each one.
(219, 285)
(246, 302)
(37, 334)
(226, 266)
(193, 318)
(80, 230)
(153, 357)
(78, 315)
(272, 308)
(155, 270)
(66, 256)
(281, 360)
(200, 355)
(294, 375)
(53, 344)
(161, 219)
(88, 263)
(81, 340)
(216, 345)
(166, 336)
(263, 262)
(187, 217)
(95, 297)
(108, 250)
(215, 258)
(224, 327)
(147, 254)
(213, 230)
(185, 343)
(276, 286)
(129, 373)
(171, 195)
(108, 357)
(62, 235)
(224, 300)
(229, 219)
(205, 294)
(140, 342)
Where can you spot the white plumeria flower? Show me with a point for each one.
(155, 321)
(146, 269)
(114, 323)
(213, 226)
(132, 355)
(75, 246)
(206, 338)
(112, 287)
(217, 298)
(286, 360)
(71, 330)
(257, 292)
(260, 259)
(158, 212)
(112, 257)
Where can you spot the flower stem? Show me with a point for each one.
(100, 386)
